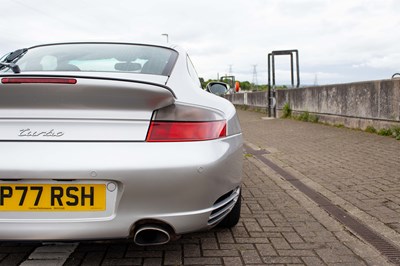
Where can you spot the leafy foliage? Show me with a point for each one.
(287, 111)
(370, 129)
(304, 116)
(385, 132)
(396, 132)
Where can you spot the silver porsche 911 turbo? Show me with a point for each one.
(113, 140)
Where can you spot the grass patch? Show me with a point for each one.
(287, 111)
(390, 132)
(396, 132)
(339, 125)
(370, 129)
(304, 116)
(385, 132)
(313, 118)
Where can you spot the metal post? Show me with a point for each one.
(269, 86)
(273, 70)
(291, 69)
(297, 68)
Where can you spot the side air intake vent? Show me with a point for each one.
(223, 206)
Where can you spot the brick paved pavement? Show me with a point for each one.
(279, 224)
(356, 170)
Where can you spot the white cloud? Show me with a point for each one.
(340, 39)
(385, 62)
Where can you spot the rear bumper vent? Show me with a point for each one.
(223, 206)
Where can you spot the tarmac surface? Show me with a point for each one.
(357, 172)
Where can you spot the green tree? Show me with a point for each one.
(245, 85)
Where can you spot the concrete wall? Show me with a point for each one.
(254, 100)
(356, 105)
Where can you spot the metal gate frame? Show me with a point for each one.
(272, 92)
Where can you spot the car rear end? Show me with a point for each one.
(97, 155)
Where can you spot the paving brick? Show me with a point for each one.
(12, 259)
(60, 248)
(253, 226)
(172, 246)
(209, 243)
(46, 262)
(278, 229)
(47, 255)
(282, 260)
(202, 261)
(333, 256)
(251, 240)
(191, 250)
(144, 253)
(233, 261)
(239, 231)
(312, 261)
(116, 251)
(173, 258)
(225, 236)
(93, 258)
(251, 257)
(264, 222)
(237, 246)
(292, 237)
(125, 261)
(309, 246)
(152, 262)
(355, 263)
(75, 258)
(15, 249)
(295, 252)
(280, 243)
(220, 253)
(265, 235)
(266, 250)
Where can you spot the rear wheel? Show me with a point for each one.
(233, 217)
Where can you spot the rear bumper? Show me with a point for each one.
(175, 183)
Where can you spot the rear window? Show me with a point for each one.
(99, 57)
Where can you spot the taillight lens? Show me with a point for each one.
(179, 131)
(181, 122)
(38, 80)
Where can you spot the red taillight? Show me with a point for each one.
(38, 80)
(185, 131)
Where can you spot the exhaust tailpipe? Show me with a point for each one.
(150, 235)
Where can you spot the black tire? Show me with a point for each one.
(233, 217)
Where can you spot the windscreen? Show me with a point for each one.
(99, 57)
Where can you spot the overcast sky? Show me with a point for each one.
(338, 40)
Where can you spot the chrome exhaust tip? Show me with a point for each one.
(151, 235)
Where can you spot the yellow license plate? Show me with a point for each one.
(52, 197)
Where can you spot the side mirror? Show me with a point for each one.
(217, 88)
